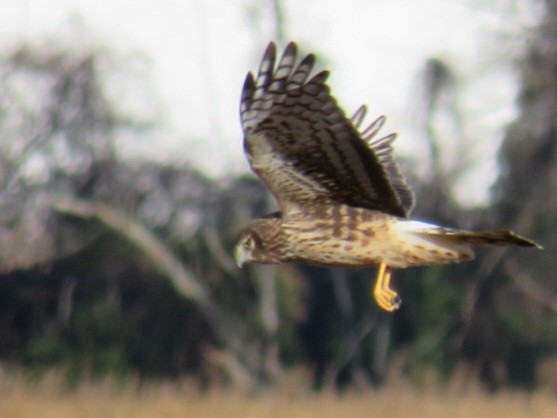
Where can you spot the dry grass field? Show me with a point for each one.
(48, 400)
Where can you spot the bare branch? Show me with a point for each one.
(278, 15)
(65, 300)
(182, 279)
(485, 269)
(528, 286)
(232, 366)
(219, 254)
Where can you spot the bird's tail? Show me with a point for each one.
(431, 244)
(501, 238)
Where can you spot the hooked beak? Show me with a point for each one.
(240, 255)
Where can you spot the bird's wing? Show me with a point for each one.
(301, 144)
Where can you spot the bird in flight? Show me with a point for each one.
(342, 199)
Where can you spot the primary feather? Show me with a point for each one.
(298, 140)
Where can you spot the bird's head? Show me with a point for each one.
(248, 246)
(260, 242)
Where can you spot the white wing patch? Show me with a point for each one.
(416, 227)
(429, 243)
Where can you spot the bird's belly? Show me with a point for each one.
(358, 249)
(341, 236)
(364, 248)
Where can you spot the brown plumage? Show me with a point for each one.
(343, 201)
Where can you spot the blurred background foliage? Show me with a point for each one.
(119, 267)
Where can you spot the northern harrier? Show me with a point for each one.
(342, 199)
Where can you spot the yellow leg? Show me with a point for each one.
(385, 297)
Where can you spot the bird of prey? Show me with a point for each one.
(342, 199)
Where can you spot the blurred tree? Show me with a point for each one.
(518, 299)
(89, 240)
(66, 191)
(56, 138)
(502, 332)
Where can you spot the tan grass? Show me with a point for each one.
(19, 399)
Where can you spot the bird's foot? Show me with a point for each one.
(386, 298)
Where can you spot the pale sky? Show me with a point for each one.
(197, 53)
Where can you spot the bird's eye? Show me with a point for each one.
(250, 243)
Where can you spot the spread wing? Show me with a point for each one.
(303, 147)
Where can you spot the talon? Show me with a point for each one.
(396, 301)
(385, 297)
